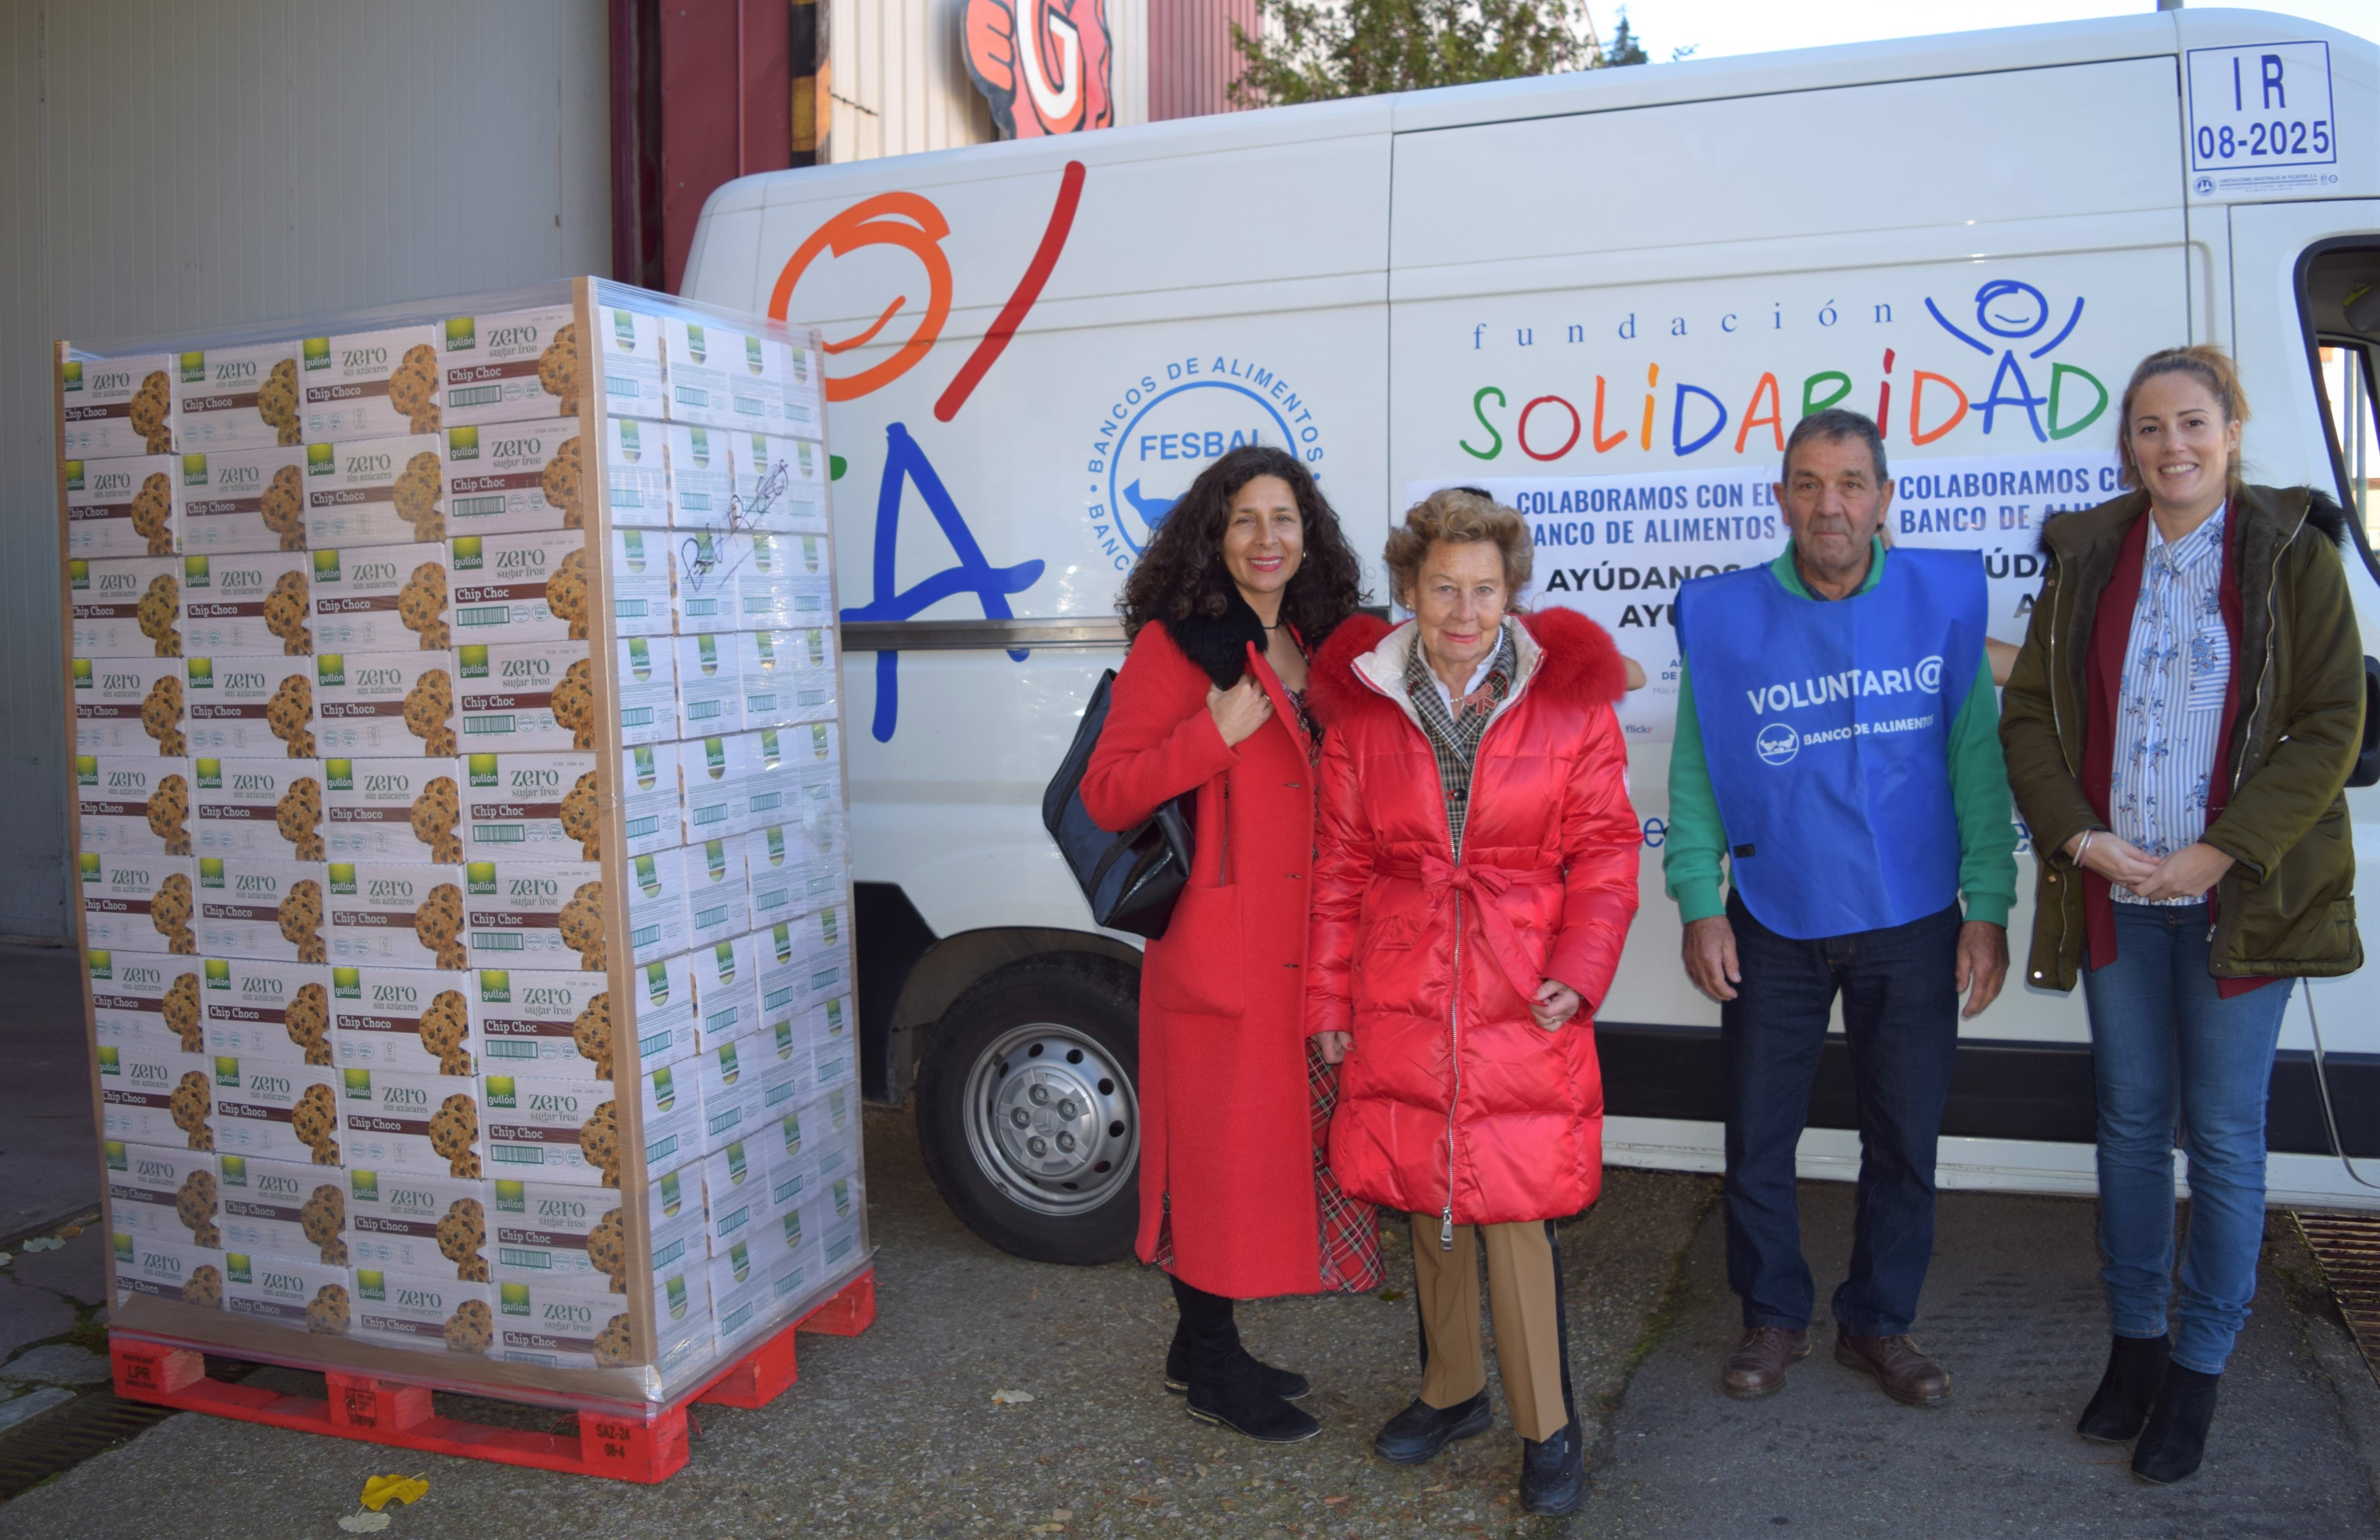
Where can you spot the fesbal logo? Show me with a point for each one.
(1164, 428)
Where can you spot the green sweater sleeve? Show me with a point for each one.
(1696, 839)
(1979, 796)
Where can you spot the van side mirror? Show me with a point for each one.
(2367, 762)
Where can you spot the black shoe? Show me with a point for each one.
(2175, 1441)
(2136, 1370)
(1285, 1383)
(1553, 1472)
(1414, 1436)
(1233, 1399)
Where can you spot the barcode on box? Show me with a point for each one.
(475, 396)
(499, 834)
(472, 507)
(711, 814)
(618, 386)
(509, 1258)
(485, 614)
(704, 919)
(719, 1021)
(750, 406)
(779, 1000)
(628, 609)
(653, 1044)
(512, 1155)
(636, 716)
(644, 936)
(694, 501)
(497, 941)
(763, 801)
(500, 1047)
(693, 395)
(487, 724)
(639, 828)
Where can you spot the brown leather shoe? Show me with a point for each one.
(1758, 1365)
(1901, 1369)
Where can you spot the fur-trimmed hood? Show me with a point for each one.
(1562, 652)
(1218, 644)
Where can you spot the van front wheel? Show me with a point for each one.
(1027, 1112)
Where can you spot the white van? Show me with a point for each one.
(1604, 296)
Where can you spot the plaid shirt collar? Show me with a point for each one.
(1454, 734)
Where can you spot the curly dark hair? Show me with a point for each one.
(1182, 573)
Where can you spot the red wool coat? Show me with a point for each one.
(1224, 1115)
(1452, 1100)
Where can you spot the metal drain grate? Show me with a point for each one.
(91, 1424)
(2348, 1248)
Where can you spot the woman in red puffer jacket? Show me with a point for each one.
(1476, 879)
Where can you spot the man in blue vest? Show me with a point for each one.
(1837, 744)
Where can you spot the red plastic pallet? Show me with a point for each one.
(618, 1445)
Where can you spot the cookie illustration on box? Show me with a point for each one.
(169, 813)
(290, 713)
(153, 513)
(298, 816)
(430, 713)
(442, 1027)
(161, 717)
(565, 592)
(276, 403)
(438, 923)
(203, 1288)
(454, 1130)
(191, 1102)
(593, 1033)
(558, 366)
(327, 1312)
(315, 1120)
(461, 1232)
(194, 1204)
(607, 1248)
(183, 1017)
(301, 920)
(416, 494)
(582, 926)
(149, 404)
(413, 389)
(307, 1019)
(324, 1218)
(599, 1140)
(159, 611)
(471, 1328)
(560, 483)
(287, 610)
(170, 913)
(616, 1345)
(421, 605)
(282, 505)
(582, 817)
(574, 704)
(435, 813)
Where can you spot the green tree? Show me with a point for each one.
(1320, 49)
(1623, 48)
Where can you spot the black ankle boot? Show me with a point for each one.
(1225, 1384)
(1554, 1472)
(2175, 1441)
(2136, 1369)
(1417, 1435)
(1287, 1384)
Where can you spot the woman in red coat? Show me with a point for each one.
(1248, 574)
(1474, 885)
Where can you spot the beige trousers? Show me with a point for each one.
(1524, 1299)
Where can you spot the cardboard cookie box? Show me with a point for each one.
(780, 485)
(666, 1022)
(419, 1222)
(532, 587)
(515, 365)
(709, 691)
(133, 805)
(404, 811)
(382, 599)
(273, 1107)
(543, 806)
(368, 384)
(284, 1209)
(243, 398)
(380, 704)
(530, 698)
(375, 491)
(262, 909)
(644, 677)
(132, 706)
(257, 603)
(640, 583)
(151, 1092)
(659, 918)
(267, 1011)
(725, 378)
(137, 902)
(113, 407)
(651, 814)
(514, 478)
(701, 478)
(788, 676)
(628, 344)
(553, 1025)
(117, 508)
(161, 1269)
(718, 896)
(567, 1131)
(164, 1193)
(288, 1291)
(399, 1123)
(415, 1020)
(148, 996)
(431, 1312)
(636, 472)
(551, 1229)
(128, 607)
(536, 914)
(251, 705)
(727, 984)
(576, 1322)
(244, 499)
(270, 808)
(387, 915)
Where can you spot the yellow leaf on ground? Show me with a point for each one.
(380, 1491)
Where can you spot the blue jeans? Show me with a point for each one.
(2162, 1042)
(1900, 1015)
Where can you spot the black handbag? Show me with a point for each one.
(1130, 879)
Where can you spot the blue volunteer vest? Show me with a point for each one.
(1827, 728)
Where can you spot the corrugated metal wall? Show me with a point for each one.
(1191, 60)
(901, 85)
(168, 167)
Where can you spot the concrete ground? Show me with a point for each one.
(48, 1146)
(895, 1432)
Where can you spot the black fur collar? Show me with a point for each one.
(1218, 644)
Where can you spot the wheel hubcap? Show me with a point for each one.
(1051, 1121)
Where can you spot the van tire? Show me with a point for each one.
(1065, 1030)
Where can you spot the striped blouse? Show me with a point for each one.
(2177, 675)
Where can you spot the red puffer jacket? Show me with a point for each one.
(1452, 1100)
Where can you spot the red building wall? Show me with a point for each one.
(1191, 60)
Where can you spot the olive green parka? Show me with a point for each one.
(2287, 906)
